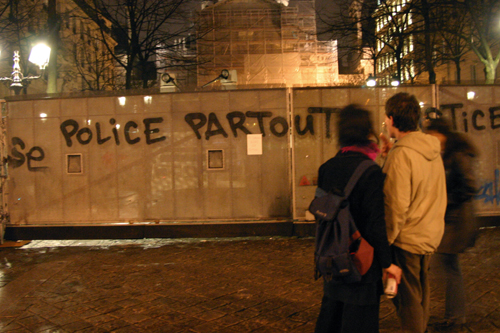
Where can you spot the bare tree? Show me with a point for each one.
(352, 25)
(419, 35)
(90, 61)
(142, 28)
(452, 29)
(484, 34)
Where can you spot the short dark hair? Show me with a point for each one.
(404, 110)
(354, 126)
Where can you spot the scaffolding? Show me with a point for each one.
(267, 43)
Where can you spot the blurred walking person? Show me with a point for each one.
(459, 157)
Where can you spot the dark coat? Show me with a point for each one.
(367, 208)
(460, 223)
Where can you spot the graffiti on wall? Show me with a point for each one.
(477, 119)
(278, 126)
(70, 129)
(73, 132)
(18, 155)
(210, 125)
(488, 192)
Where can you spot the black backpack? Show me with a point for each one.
(337, 237)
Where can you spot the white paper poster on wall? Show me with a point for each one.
(254, 144)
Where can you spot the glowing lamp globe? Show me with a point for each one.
(40, 55)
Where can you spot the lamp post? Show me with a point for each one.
(39, 56)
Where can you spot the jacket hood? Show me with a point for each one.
(427, 145)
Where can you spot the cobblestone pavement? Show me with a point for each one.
(216, 285)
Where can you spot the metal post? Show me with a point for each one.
(17, 76)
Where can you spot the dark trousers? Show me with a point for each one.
(341, 317)
(446, 268)
(413, 298)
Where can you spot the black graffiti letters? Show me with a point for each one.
(214, 121)
(260, 118)
(236, 120)
(238, 125)
(478, 118)
(149, 131)
(31, 157)
(309, 125)
(70, 128)
(328, 112)
(128, 129)
(279, 121)
(100, 140)
(476, 114)
(68, 134)
(197, 120)
(18, 158)
(494, 116)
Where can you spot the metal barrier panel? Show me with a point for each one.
(315, 140)
(225, 155)
(475, 110)
(164, 157)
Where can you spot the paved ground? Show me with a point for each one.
(229, 285)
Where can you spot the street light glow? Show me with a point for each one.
(40, 55)
(371, 82)
(395, 81)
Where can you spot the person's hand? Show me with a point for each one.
(394, 270)
(386, 145)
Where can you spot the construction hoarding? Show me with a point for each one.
(211, 156)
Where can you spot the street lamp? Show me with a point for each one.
(371, 81)
(224, 74)
(39, 56)
(168, 83)
(395, 81)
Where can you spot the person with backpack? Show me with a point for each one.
(415, 205)
(349, 307)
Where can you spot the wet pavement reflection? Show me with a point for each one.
(198, 285)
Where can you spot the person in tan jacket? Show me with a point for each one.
(415, 205)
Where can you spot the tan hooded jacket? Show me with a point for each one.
(415, 193)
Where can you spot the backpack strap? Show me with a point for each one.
(362, 167)
(356, 175)
(352, 181)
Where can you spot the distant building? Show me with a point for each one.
(399, 49)
(86, 63)
(263, 43)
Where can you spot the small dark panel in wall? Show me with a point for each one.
(215, 159)
(74, 164)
